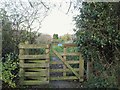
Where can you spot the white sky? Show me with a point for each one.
(57, 22)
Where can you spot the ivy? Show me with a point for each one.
(10, 69)
(98, 37)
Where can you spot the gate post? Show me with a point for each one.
(64, 67)
(21, 73)
(48, 59)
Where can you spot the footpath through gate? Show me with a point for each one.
(35, 64)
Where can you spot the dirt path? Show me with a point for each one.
(57, 84)
(62, 84)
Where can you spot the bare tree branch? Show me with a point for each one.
(69, 7)
(30, 4)
(44, 5)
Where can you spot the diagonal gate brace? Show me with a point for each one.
(66, 64)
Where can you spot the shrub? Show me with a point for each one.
(102, 77)
(10, 69)
(101, 82)
(98, 38)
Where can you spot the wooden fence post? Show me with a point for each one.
(27, 50)
(21, 52)
(48, 59)
(64, 67)
(81, 68)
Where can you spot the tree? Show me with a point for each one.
(7, 41)
(11, 37)
(25, 15)
(66, 37)
(55, 36)
(18, 19)
(99, 39)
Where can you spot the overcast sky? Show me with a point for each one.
(57, 22)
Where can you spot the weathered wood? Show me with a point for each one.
(62, 70)
(67, 54)
(33, 46)
(35, 69)
(70, 54)
(35, 82)
(47, 54)
(32, 65)
(42, 73)
(21, 72)
(73, 62)
(64, 67)
(69, 45)
(64, 78)
(81, 67)
(62, 59)
(56, 62)
(33, 56)
(26, 51)
(59, 62)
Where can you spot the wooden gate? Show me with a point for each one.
(34, 65)
(78, 72)
(35, 60)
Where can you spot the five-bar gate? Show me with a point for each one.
(35, 60)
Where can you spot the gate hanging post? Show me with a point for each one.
(48, 59)
(64, 67)
(21, 72)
